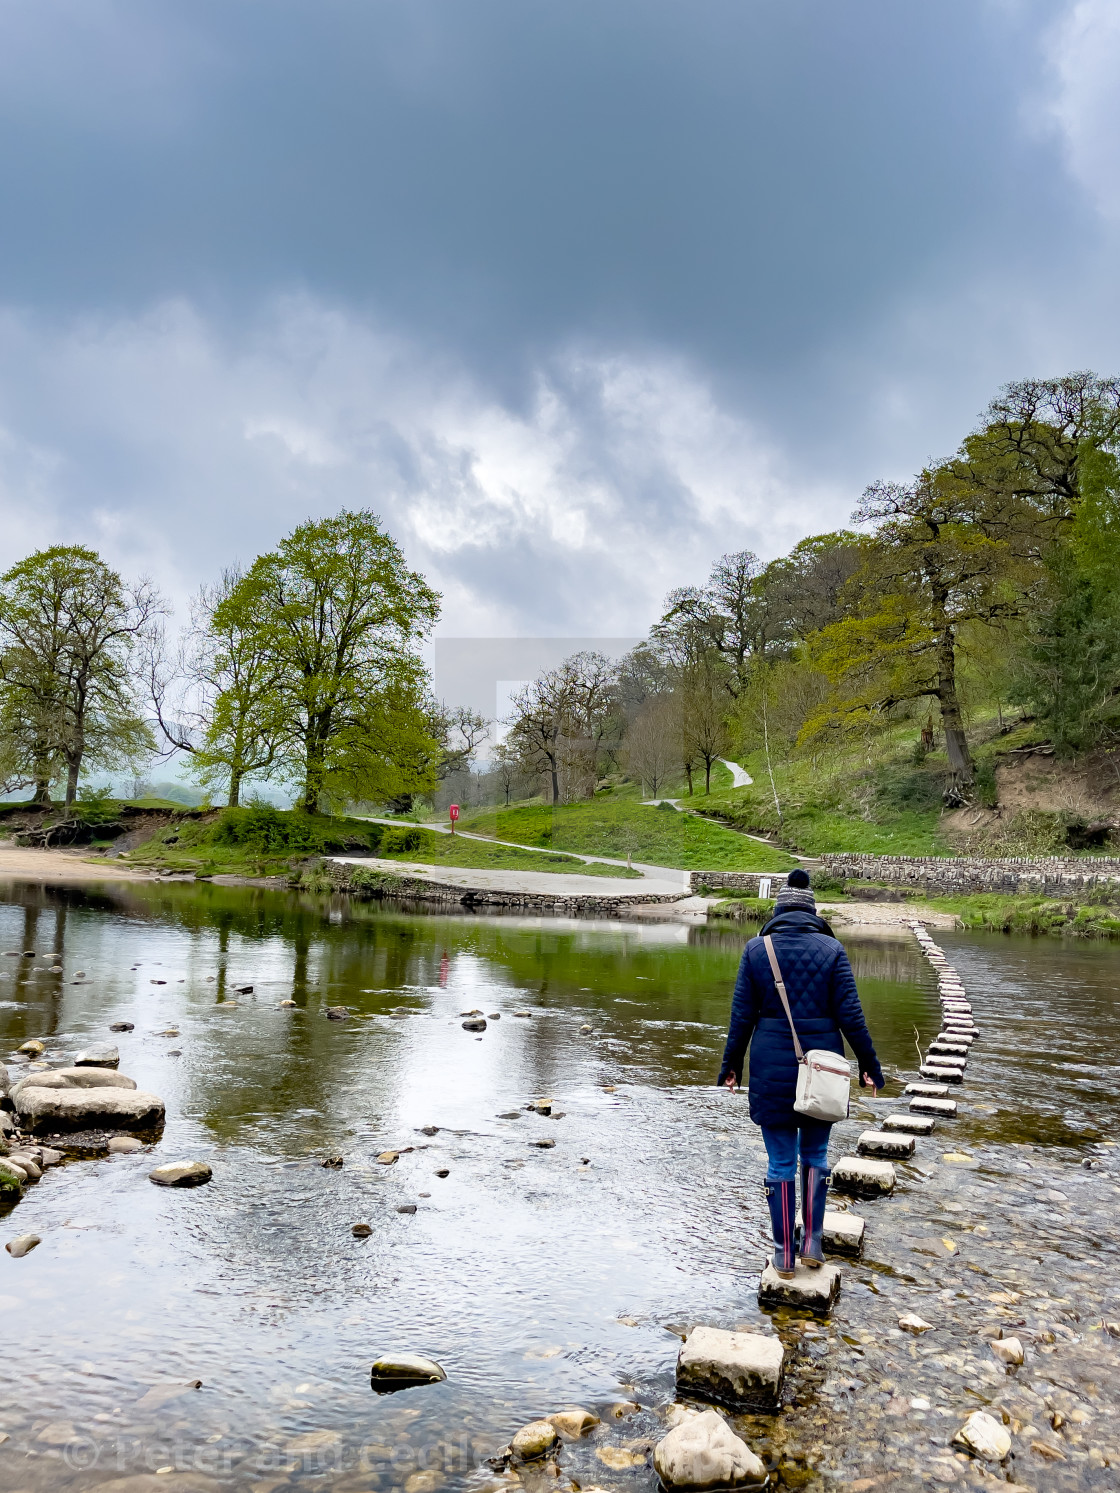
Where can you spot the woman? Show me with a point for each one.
(825, 1006)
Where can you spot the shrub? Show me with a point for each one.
(401, 841)
(262, 828)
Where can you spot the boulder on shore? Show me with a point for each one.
(62, 1109)
(704, 1452)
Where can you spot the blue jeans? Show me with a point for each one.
(781, 1143)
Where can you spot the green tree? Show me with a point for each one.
(930, 571)
(71, 640)
(1070, 669)
(220, 701)
(338, 617)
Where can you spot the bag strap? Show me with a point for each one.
(781, 984)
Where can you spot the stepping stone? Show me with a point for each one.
(882, 1143)
(812, 1290)
(964, 1038)
(742, 1370)
(944, 1108)
(951, 1060)
(843, 1233)
(943, 1075)
(863, 1178)
(927, 1090)
(948, 1049)
(908, 1124)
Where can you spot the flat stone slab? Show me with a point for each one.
(843, 1233)
(945, 1108)
(909, 1124)
(811, 1290)
(863, 1177)
(964, 1039)
(742, 1370)
(927, 1090)
(74, 1078)
(42, 1109)
(943, 1075)
(98, 1055)
(883, 1143)
(948, 1049)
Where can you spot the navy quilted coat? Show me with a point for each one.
(825, 1004)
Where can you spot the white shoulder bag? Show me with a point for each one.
(824, 1079)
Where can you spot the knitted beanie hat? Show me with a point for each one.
(795, 896)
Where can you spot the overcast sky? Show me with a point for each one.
(577, 294)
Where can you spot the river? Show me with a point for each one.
(540, 1277)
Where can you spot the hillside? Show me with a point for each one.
(620, 826)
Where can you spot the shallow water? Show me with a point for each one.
(539, 1278)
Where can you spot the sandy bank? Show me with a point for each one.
(21, 863)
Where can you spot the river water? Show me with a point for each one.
(539, 1277)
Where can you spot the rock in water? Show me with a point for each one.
(124, 1145)
(533, 1440)
(911, 1322)
(572, 1424)
(394, 1371)
(100, 1055)
(882, 1143)
(704, 1452)
(122, 1026)
(337, 1013)
(17, 1248)
(984, 1436)
(75, 1078)
(33, 1049)
(475, 1024)
(180, 1174)
(852, 1174)
(742, 1370)
(812, 1290)
(1009, 1349)
(45, 1109)
(909, 1124)
(843, 1233)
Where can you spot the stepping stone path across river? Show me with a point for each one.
(870, 1173)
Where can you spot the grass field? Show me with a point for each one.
(621, 827)
(263, 841)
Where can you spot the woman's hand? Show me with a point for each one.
(868, 1084)
(731, 1082)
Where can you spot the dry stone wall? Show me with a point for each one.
(739, 881)
(1047, 876)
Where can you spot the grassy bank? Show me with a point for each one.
(994, 913)
(621, 827)
(264, 841)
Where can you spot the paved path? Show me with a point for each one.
(665, 882)
(740, 777)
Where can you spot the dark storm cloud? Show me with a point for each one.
(578, 293)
